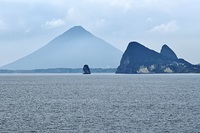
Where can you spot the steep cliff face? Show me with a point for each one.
(140, 59)
(168, 52)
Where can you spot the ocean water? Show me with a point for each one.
(104, 103)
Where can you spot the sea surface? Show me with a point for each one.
(99, 103)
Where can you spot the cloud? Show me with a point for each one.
(123, 4)
(72, 13)
(54, 23)
(2, 25)
(169, 27)
(100, 22)
(149, 19)
(28, 30)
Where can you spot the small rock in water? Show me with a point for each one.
(86, 69)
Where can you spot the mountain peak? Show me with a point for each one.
(136, 54)
(168, 52)
(71, 49)
(77, 31)
(135, 45)
(77, 28)
(136, 48)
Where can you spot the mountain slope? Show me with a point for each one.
(140, 59)
(72, 49)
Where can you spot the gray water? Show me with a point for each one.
(100, 103)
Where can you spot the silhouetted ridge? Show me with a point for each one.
(140, 59)
(139, 54)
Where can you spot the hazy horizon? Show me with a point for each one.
(26, 26)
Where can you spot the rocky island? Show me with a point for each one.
(86, 69)
(139, 59)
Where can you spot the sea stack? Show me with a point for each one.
(86, 69)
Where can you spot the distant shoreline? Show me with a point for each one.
(61, 70)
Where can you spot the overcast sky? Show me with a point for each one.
(26, 25)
